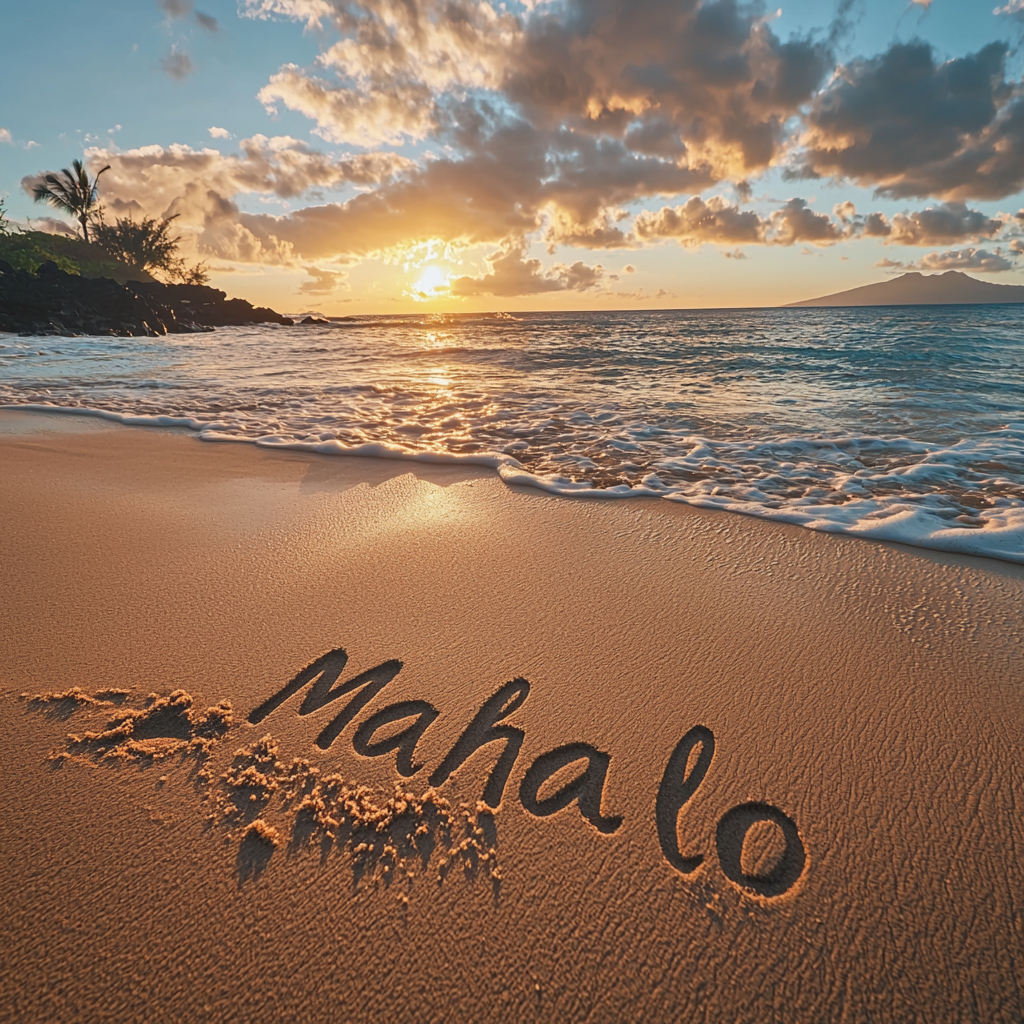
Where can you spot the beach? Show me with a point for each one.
(760, 773)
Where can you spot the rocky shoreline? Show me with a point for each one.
(53, 302)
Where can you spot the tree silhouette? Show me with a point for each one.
(72, 192)
(148, 245)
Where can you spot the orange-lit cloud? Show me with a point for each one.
(511, 273)
(594, 124)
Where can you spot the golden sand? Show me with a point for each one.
(290, 737)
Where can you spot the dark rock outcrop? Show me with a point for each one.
(52, 302)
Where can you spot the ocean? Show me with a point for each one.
(894, 423)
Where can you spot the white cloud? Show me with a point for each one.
(980, 261)
(219, 133)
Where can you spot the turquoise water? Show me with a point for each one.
(900, 423)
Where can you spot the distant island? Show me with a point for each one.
(950, 288)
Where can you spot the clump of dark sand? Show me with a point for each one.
(259, 798)
(64, 703)
(162, 727)
(389, 837)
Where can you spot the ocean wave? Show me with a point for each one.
(967, 511)
(902, 425)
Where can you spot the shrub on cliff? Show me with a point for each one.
(148, 245)
(29, 250)
(23, 250)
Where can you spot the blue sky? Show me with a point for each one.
(316, 220)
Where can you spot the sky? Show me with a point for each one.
(385, 156)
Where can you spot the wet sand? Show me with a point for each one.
(760, 774)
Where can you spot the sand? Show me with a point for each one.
(746, 772)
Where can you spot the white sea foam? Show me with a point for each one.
(918, 519)
(903, 426)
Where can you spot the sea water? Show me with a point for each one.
(898, 423)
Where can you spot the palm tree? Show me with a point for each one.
(72, 192)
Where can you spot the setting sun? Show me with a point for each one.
(434, 283)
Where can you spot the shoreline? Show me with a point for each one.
(870, 694)
(997, 543)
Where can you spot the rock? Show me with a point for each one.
(52, 302)
(314, 320)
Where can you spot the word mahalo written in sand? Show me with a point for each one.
(759, 846)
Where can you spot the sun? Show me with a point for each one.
(433, 284)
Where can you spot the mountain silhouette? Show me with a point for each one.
(950, 288)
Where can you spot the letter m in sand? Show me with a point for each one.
(321, 677)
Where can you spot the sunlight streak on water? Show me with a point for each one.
(905, 423)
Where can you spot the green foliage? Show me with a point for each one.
(72, 192)
(148, 245)
(93, 261)
(29, 249)
(26, 250)
(144, 243)
(5, 227)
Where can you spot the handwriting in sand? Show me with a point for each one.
(758, 846)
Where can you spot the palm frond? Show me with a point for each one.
(70, 191)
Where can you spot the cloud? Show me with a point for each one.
(942, 225)
(384, 117)
(911, 126)
(721, 223)
(797, 222)
(697, 222)
(177, 63)
(981, 261)
(176, 8)
(50, 225)
(700, 89)
(199, 186)
(511, 274)
(219, 133)
(5, 136)
(1012, 7)
(484, 197)
(207, 21)
(557, 120)
(324, 282)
